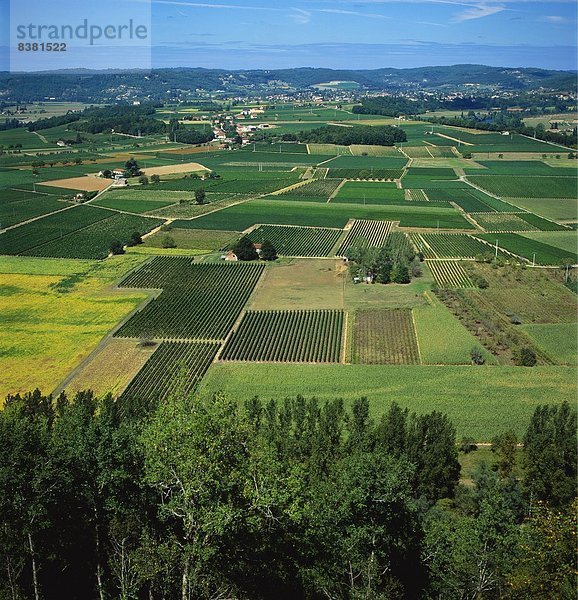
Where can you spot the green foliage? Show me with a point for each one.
(244, 249)
(525, 357)
(200, 196)
(268, 251)
(550, 454)
(385, 135)
(116, 247)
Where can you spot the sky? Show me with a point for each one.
(348, 34)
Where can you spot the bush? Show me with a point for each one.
(477, 356)
(400, 274)
(467, 445)
(525, 357)
(155, 178)
(168, 242)
(116, 247)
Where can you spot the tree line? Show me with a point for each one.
(385, 135)
(207, 498)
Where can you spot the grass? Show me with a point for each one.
(550, 208)
(321, 285)
(479, 400)
(443, 340)
(558, 340)
(54, 324)
(511, 186)
(137, 206)
(25, 265)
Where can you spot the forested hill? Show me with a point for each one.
(90, 86)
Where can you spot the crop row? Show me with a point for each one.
(510, 186)
(417, 196)
(385, 337)
(317, 187)
(287, 336)
(502, 222)
(93, 242)
(375, 233)
(449, 245)
(198, 301)
(34, 205)
(51, 227)
(173, 365)
(297, 241)
(364, 174)
(449, 274)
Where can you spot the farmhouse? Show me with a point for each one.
(230, 256)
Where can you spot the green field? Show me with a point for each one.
(510, 186)
(443, 340)
(558, 340)
(565, 240)
(478, 400)
(277, 212)
(522, 246)
(550, 208)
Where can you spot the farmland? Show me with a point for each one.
(522, 246)
(287, 336)
(173, 364)
(449, 273)
(384, 337)
(449, 245)
(509, 186)
(374, 233)
(297, 241)
(198, 301)
(502, 222)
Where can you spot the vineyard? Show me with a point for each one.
(94, 241)
(449, 274)
(365, 174)
(17, 206)
(287, 336)
(517, 244)
(502, 222)
(509, 186)
(385, 337)
(416, 196)
(198, 301)
(449, 245)
(297, 241)
(51, 227)
(173, 365)
(375, 233)
(322, 188)
(369, 192)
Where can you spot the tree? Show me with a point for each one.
(400, 273)
(504, 447)
(131, 168)
(143, 180)
(550, 455)
(78, 161)
(155, 178)
(268, 251)
(116, 247)
(245, 249)
(200, 196)
(135, 239)
(195, 457)
(168, 242)
(477, 356)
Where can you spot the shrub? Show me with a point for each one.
(477, 356)
(525, 357)
(168, 242)
(116, 247)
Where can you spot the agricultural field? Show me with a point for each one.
(502, 222)
(449, 274)
(495, 395)
(527, 248)
(325, 149)
(442, 339)
(370, 173)
(287, 336)
(297, 241)
(196, 240)
(197, 302)
(94, 240)
(449, 245)
(384, 337)
(565, 240)
(172, 365)
(509, 186)
(374, 233)
(321, 188)
(558, 340)
(368, 192)
(19, 206)
(470, 200)
(559, 209)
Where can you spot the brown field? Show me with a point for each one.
(85, 184)
(112, 368)
(300, 284)
(179, 168)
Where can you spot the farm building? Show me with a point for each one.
(230, 256)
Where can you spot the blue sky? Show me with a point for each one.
(350, 34)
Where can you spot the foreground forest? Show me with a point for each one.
(199, 498)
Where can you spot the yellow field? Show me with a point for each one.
(50, 323)
(178, 168)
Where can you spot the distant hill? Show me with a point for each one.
(159, 84)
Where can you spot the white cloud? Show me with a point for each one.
(557, 20)
(300, 16)
(478, 11)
